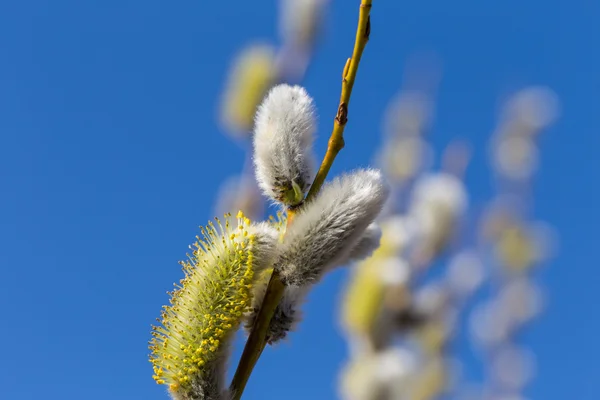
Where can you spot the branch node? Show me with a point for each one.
(342, 114)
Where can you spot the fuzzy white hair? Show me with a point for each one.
(283, 136)
(440, 189)
(437, 196)
(368, 243)
(300, 20)
(328, 228)
(265, 246)
(288, 312)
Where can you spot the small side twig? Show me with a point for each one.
(257, 340)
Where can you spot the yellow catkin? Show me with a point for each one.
(515, 248)
(365, 293)
(207, 305)
(252, 74)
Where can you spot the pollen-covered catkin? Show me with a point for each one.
(191, 345)
(283, 136)
(326, 231)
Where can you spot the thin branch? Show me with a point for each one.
(336, 141)
(257, 339)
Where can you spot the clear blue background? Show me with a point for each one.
(110, 157)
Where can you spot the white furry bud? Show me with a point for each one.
(465, 273)
(300, 21)
(440, 190)
(368, 243)
(266, 238)
(535, 107)
(283, 136)
(379, 375)
(438, 202)
(341, 220)
(324, 234)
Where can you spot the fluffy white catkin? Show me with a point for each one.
(283, 136)
(288, 312)
(327, 229)
(265, 249)
(299, 21)
(368, 243)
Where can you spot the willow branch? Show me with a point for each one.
(257, 339)
(336, 141)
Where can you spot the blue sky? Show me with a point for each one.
(110, 157)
